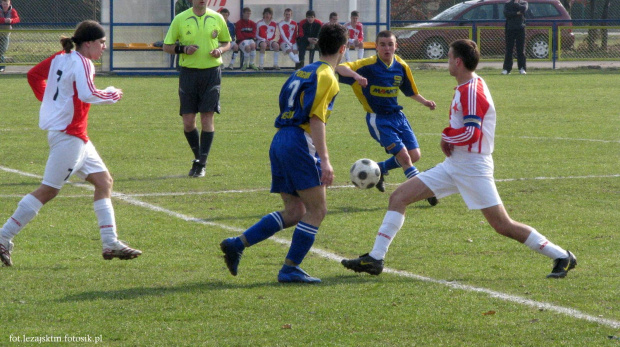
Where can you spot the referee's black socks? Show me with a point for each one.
(193, 138)
(206, 139)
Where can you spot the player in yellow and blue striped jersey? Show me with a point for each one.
(386, 74)
(300, 166)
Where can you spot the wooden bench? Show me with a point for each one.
(134, 46)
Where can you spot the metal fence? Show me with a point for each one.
(594, 40)
(37, 36)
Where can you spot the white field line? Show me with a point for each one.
(332, 256)
(245, 191)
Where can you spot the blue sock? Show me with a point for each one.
(265, 228)
(388, 165)
(411, 172)
(303, 238)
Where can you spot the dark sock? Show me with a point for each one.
(206, 139)
(193, 138)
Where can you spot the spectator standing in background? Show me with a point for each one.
(8, 16)
(308, 37)
(514, 11)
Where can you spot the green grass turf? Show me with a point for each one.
(557, 165)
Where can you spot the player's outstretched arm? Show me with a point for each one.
(422, 100)
(346, 71)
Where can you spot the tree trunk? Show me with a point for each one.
(604, 31)
(592, 33)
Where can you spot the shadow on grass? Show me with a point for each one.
(133, 293)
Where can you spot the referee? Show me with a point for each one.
(203, 37)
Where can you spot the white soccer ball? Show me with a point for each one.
(365, 173)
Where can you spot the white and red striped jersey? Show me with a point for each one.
(288, 32)
(266, 31)
(355, 32)
(64, 84)
(472, 118)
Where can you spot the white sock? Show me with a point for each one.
(276, 57)
(27, 209)
(294, 57)
(105, 217)
(261, 59)
(252, 57)
(246, 58)
(234, 57)
(540, 244)
(392, 222)
(360, 53)
(346, 55)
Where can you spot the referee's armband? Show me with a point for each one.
(179, 49)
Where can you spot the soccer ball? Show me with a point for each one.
(365, 173)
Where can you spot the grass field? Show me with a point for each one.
(450, 279)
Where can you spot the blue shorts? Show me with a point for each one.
(392, 131)
(295, 165)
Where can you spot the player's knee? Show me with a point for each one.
(293, 214)
(398, 201)
(415, 155)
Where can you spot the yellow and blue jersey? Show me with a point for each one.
(310, 91)
(384, 82)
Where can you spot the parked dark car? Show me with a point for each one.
(428, 41)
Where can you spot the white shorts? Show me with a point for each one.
(353, 42)
(285, 46)
(469, 174)
(69, 155)
(245, 43)
(270, 44)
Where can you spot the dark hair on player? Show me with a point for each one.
(384, 33)
(331, 38)
(333, 14)
(355, 13)
(468, 51)
(268, 10)
(225, 10)
(247, 9)
(310, 13)
(86, 31)
(288, 9)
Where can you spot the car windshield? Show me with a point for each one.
(452, 11)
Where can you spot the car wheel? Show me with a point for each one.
(539, 47)
(435, 49)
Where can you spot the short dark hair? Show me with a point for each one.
(384, 33)
(331, 38)
(468, 51)
(333, 14)
(310, 13)
(247, 9)
(355, 13)
(224, 10)
(268, 10)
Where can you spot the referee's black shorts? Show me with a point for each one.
(199, 90)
